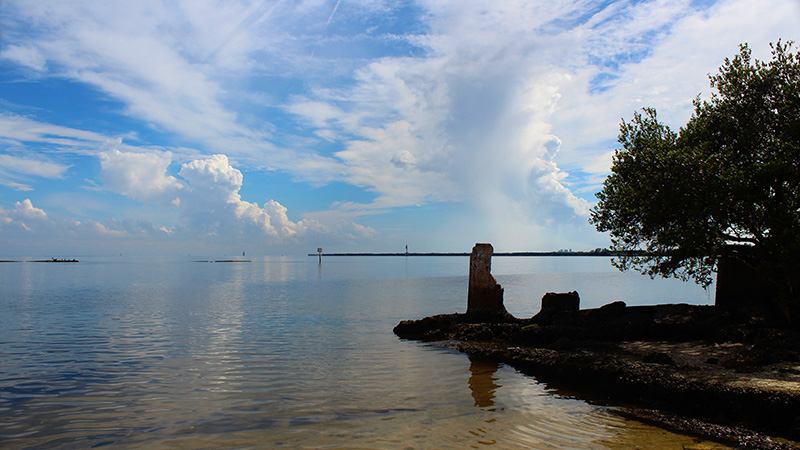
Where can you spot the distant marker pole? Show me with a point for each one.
(319, 251)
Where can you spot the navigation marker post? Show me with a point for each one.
(319, 252)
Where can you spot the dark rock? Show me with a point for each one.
(473, 332)
(481, 326)
(564, 343)
(659, 358)
(554, 301)
(617, 306)
(429, 328)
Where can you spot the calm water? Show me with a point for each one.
(287, 353)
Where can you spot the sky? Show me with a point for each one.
(281, 126)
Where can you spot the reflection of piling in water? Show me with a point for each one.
(482, 381)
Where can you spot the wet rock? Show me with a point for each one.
(427, 329)
(480, 326)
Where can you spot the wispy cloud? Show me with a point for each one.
(205, 195)
(26, 56)
(507, 109)
(17, 171)
(333, 12)
(30, 166)
(17, 130)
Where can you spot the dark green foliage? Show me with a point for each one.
(726, 184)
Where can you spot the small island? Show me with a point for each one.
(57, 260)
(51, 260)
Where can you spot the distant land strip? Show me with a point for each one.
(53, 260)
(603, 252)
(224, 261)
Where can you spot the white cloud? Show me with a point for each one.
(28, 230)
(404, 159)
(208, 198)
(209, 202)
(14, 169)
(511, 108)
(17, 186)
(506, 94)
(25, 55)
(140, 176)
(468, 121)
(213, 202)
(29, 166)
(214, 179)
(17, 130)
(26, 210)
(658, 57)
(169, 63)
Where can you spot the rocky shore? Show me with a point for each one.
(695, 369)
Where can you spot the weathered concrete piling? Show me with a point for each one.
(484, 293)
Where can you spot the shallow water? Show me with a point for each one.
(287, 353)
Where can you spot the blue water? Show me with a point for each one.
(283, 352)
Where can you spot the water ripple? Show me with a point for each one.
(187, 356)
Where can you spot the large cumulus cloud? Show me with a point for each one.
(204, 194)
(212, 202)
(467, 121)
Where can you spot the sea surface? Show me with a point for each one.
(287, 352)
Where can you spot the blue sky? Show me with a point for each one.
(212, 127)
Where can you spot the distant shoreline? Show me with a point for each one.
(53, 260)
(223, 261)
(606, 253)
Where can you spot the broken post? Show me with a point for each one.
(484, 293)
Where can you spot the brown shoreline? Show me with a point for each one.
(693, 369)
